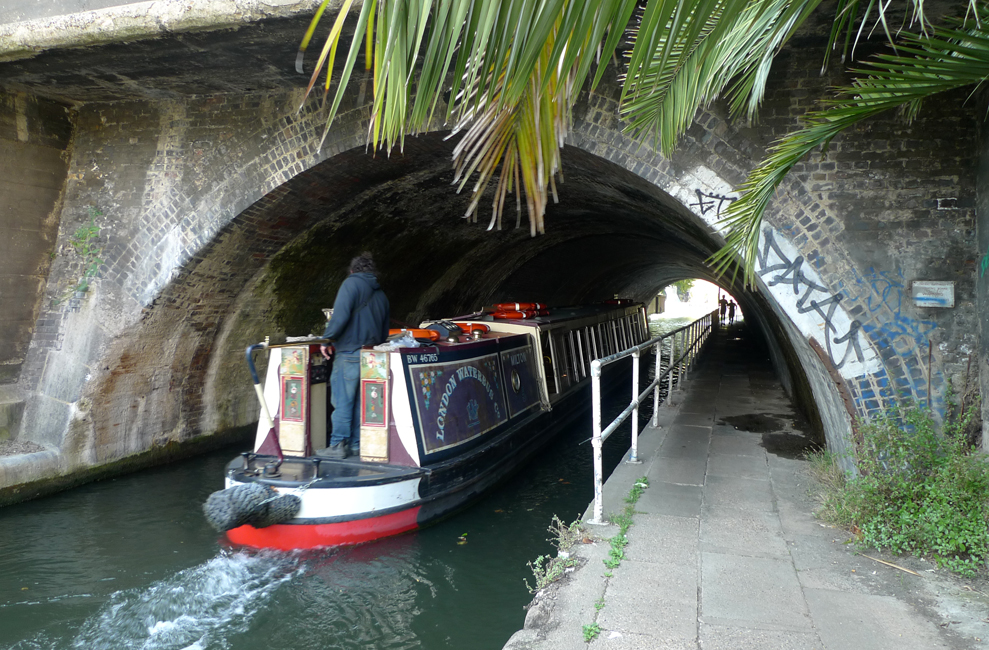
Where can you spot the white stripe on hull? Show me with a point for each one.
(321, 503)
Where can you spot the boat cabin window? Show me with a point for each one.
(562, 360)
(592, 344)
(583, 349)
(548, 368)
(576, 358)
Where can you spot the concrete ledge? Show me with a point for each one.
(28, 468)
(140, 20)
(28, 476)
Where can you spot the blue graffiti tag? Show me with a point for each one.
(887, 291)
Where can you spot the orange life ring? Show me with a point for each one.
(418, 333)
(517, 315)
(470, 328)
(519, 306)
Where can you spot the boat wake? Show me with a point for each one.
(200, 607)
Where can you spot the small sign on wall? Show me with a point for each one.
(932, 293)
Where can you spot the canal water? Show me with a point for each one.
(131, 563)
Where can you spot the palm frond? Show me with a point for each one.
(516, 66)
(952, 57)
(675, 69)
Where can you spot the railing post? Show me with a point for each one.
(694, 335)
(633, 458)
(686, 355)
(673, 354)
(658, 349)
(596, 442)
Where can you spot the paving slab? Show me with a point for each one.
(669, 612)
(696, 419)
(664, 539)
(725, 637)
(741, 493)
(865, 622)
(680, 471)
(691, 450)
(752, 590)
(742, 532)
(750, 466)
(670, 499)
(737, 444)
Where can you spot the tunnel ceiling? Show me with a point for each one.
(257, 57)
(611, 232)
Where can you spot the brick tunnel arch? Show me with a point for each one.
(178, 372)
(141, 363)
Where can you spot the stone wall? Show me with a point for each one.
(34, 142)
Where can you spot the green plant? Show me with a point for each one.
(599, 605)
(637, 489)
(616, 552)
(918, 490)
(591, 631)
(547, 569)
(83, 242)
(564, 537)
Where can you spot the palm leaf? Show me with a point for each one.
(953, 57)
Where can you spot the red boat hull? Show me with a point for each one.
(304, 536)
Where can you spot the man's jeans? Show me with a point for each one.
(344, 381)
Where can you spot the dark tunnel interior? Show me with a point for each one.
(610, 233)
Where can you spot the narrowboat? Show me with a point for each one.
(447, 410)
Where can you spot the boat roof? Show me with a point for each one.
(555, 315)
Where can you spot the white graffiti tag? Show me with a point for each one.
(812, 307)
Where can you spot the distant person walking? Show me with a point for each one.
(360, 317)
(724, 308)
(731, 312)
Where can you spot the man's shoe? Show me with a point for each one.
(338, 451)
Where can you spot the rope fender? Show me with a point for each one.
(249, 503)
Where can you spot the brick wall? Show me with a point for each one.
(34, 138)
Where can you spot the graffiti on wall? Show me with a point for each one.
(793, 283)
(887, 292)
(707, 202)
(815, 309)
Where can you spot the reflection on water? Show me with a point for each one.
(131, 563)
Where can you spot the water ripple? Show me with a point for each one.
(196, 608)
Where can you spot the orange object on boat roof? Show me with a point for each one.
(519, 306)
(418, 333)
(470, 328)
(512, 315)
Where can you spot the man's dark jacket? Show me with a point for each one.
(353, 326)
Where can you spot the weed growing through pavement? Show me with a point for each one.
(616, 552)
(591, 631)
(624, 521)
(547, 569)
(918, 490)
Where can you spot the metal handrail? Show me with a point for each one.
(696, 333)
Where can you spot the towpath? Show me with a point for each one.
(725, 552)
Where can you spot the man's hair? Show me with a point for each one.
(363, 263)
